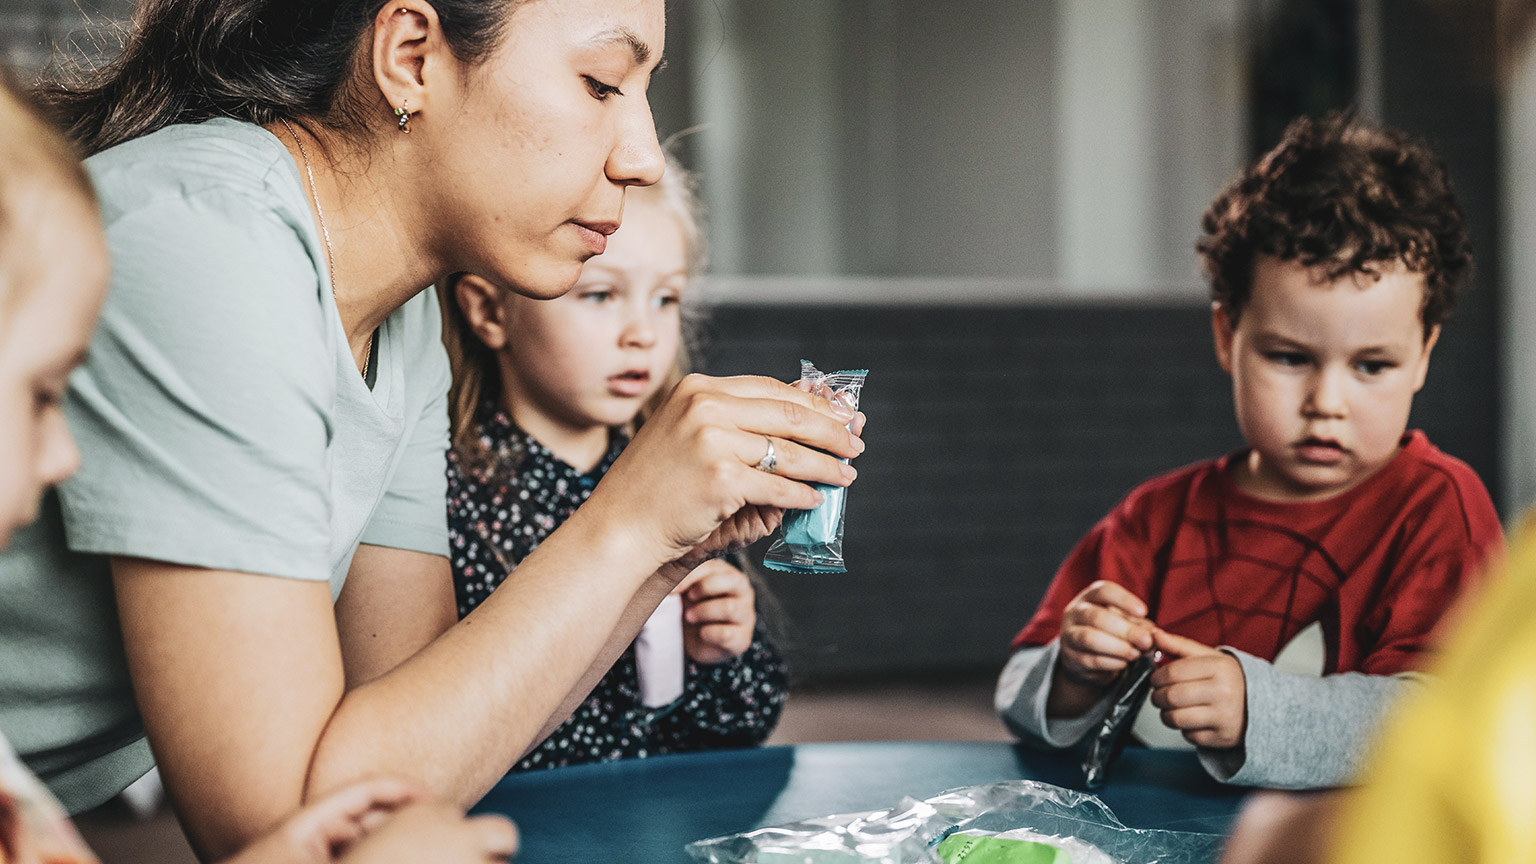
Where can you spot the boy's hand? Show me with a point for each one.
(719, 612)
(1202, 693)
(1103, 630)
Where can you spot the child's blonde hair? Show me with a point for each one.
(476, 369)
(34, 158)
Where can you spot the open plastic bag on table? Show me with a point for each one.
(1021, 822)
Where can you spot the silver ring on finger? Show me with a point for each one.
(770, 460)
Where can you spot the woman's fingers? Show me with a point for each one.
(771, 490)
(768, 407)
(795, 461)
(834, 403)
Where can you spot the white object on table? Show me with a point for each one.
(659, 654)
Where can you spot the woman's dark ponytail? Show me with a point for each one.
(185, 61)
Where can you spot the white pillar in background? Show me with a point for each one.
(1106, 145)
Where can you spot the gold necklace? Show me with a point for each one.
(325, 233)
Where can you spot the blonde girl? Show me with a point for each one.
(546, 395)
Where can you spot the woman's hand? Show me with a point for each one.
(719, 612)
(687, 489)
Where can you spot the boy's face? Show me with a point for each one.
(1323, 375)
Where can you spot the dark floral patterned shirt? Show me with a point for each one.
(495, 523)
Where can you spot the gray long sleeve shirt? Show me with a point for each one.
(1303, 731)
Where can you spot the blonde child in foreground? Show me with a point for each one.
(53, 278)
(546, 395)
(1294, 585)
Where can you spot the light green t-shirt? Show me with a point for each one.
(222, 423)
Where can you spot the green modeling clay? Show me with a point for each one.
(971, 849)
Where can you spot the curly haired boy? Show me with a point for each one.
(1294, 584)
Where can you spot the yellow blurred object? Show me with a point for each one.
(1455, 776)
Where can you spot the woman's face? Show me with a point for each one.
(56, 278)
(591, 359)
(547, 134)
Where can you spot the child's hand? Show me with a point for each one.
(719, 612)
(319, 833)
(1103, 629)
(434, 831)
(1202, 693)
(379, 821)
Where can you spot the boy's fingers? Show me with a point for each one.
(1092, 642)
(1209, 738)
(1178, 672)
(1136, 632)
(1106, 593)
(1190, 719)
(1180, 646)
(1185, 694)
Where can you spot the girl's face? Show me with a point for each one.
(544, 139)
(56, 279)
(590, 359)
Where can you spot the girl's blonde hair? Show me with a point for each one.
(35, 159)
(476, 369)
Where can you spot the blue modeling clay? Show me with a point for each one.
(811, 541)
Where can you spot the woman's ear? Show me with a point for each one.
(1221, 329)
(481, 303)
(410, 56)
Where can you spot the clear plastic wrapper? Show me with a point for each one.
(1064, 826)
(811, 541)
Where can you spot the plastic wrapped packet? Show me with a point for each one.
(1110, 738)
(1058, 822)
(811, 541)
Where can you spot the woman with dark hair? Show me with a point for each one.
(262, 416)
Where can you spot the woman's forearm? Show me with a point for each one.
(464, 709)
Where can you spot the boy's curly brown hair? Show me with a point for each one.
(1345, 196)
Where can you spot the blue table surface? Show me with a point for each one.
(646, 810)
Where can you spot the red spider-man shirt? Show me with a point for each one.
(1377, 566)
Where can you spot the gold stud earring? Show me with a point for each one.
(404, 113)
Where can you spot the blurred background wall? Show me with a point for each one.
(993, 204)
